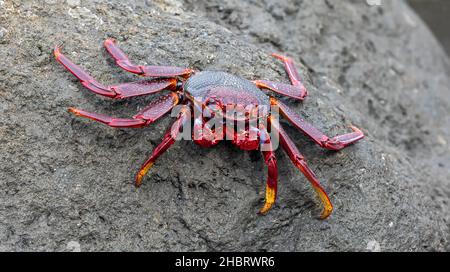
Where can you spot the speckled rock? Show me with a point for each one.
(66, 183)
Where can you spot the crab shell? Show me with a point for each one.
(218, 91)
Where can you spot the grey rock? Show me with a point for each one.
(66, 183)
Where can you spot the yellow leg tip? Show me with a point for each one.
(142, 173)
(57, 52)
(327, 206)
(110, 41)
(281, 57)
(326, 212)
(271, 194)
(264, 210)
(74, 111)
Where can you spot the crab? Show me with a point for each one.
(213, 90)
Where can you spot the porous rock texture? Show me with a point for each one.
(66, 182)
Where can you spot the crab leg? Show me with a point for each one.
(124, 90)
(299, 161)
(168, 140)
(272, 174)
(124, 62)
(296, 90)
(155, 110)
(336, 143)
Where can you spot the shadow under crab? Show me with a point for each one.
(213, 90)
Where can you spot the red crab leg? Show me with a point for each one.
(124, 90)
(150, 71)
(299, 161)
(155, 110)
(296, 90)
(284, 89)
(336, 143)
(168, 140)
(272, 174)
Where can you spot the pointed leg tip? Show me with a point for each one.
(266, 208)
(140, 176)
(74, 111)
(324, 199)
(262, 212)
(138, 183)
(109, 41)
(57, 51)
(280, 57)
(276, 55)
(326, 213)
(359, 132)
(303, 95)
(186, 73)
(138, 180)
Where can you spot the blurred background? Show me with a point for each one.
(436, 13)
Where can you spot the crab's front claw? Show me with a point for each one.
(271, 194)
(327, 206)
(339, 142)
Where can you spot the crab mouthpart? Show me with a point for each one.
(142, 173)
